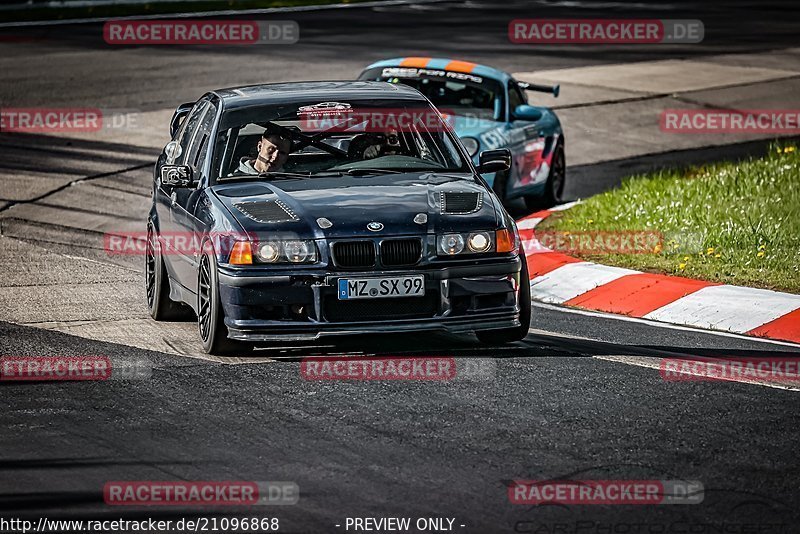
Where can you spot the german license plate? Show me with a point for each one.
(381, 288)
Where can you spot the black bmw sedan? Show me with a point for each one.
(299, 210)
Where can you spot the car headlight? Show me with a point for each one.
(451, 244)
(268, 252)
(299, 251)
(294, 251)
(468, 243)
(471, 144)
(479, 242)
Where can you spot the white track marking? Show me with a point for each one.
(662, 325)
(655, 363)
(662, 76)
(736, 309)
(528, 224)
(562, 207)
(573, 279)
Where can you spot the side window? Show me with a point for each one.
(198, 149)
(190, 127)
(515, 97)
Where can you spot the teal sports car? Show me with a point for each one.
(489, 109)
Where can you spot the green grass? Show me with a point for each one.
(119, 10)
(734, 223)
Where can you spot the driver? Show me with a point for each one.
(385, 145)
(273, 151)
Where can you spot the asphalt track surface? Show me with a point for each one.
(564, 403)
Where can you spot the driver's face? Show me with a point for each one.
(272, 154)
(392, 138)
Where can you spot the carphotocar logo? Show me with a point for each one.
(689, 370)
(697, 121)
(181, 493)
(604, 31)
(200, 32)
(605, 492)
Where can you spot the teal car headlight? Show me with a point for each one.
(471, 144)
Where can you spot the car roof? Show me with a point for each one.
(448, 64)
(283, 93)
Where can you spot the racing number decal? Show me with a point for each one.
(494, 139)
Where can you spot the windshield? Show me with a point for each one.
(329, 138)
(451, 92)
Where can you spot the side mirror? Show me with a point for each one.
(494, 160)
(176, 175)
(177, 118)
(173, 150)
(524, 112)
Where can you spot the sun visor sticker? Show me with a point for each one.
(324, 109)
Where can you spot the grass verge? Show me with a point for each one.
(734, 223)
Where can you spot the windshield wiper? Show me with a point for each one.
(364, 172)
(279, 175)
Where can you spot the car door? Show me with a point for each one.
(186, 200)
(524, 142)
(167, 196)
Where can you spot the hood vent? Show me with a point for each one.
(460, 203)
(267, 211)
(247, 190)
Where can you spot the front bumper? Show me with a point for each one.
(303, 305)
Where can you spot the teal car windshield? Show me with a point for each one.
(451, 92)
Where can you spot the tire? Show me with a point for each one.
(554, 187)
(160, 306)
(509, 335)
(210, 316)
